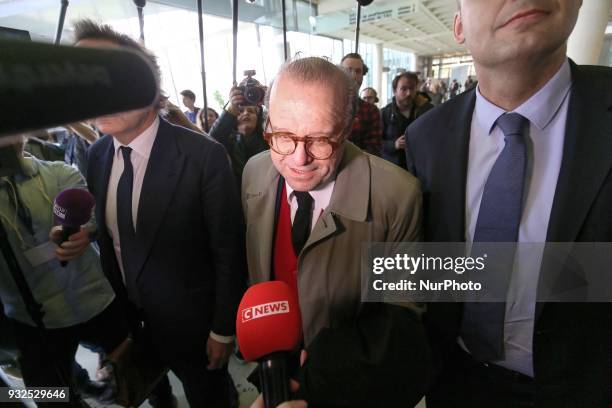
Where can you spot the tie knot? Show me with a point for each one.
(126, 151)
(512, 124)
(304, 199)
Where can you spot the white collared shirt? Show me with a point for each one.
(321, 196)
(141, 151)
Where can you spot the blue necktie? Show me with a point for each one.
(499, 218)
(124, 210)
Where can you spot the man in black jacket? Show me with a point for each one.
(406, 106)
(523, 159)
(171, 234)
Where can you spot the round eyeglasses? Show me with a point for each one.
(319, 146)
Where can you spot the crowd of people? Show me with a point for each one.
(187, 215)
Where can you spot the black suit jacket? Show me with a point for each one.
(189, 255)
(572, 344)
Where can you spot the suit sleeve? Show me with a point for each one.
(225, 231)
(410, 163)
(383, 359)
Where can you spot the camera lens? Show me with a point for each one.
(254, 95)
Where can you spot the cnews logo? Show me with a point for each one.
(267, 309)
(59, 211)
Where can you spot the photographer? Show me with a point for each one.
(78, 303)
(240, 129)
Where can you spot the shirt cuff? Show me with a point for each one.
(221, 339)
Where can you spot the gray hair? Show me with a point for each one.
(316, 70)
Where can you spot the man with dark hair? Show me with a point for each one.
(171, 235)
(404, 108)
(105, 34)
(367, 132)
(525, 157)
(189, 102)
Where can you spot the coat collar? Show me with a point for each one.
(351, 196)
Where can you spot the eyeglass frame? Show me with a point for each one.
(296, 139)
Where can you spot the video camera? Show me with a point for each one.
(253, 92)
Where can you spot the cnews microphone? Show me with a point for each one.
(60, 84)
(268, 328)
(71, 209)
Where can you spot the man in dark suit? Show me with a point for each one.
(171, 234)
(526, 156)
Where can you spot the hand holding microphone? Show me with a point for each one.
(71, 209)
(268, 329)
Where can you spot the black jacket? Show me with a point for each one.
(189, 253)
(572, 342)
(395, 124)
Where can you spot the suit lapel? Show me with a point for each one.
(586, 158)
(452, 168)
(99, 184)
(160, 180)
(102, 181)
(585, 165)
(352, 180)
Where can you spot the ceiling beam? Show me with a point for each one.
(432, 16)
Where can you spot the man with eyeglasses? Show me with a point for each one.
(310, 203)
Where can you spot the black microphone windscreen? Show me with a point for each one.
(44, 85)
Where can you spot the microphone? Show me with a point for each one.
(268, 329)
(61, 84)
(71, 209)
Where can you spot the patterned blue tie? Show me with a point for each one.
(499, 218)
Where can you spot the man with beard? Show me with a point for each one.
(404, 108)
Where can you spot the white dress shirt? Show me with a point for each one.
(321, 197)
(547, 114)
(141, 151)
